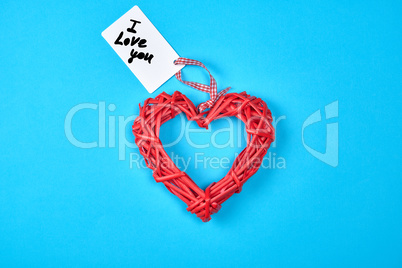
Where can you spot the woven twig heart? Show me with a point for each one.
(260, 133)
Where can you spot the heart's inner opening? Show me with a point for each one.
(206, 155)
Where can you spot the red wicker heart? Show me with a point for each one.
(260, 133)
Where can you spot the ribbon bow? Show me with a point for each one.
(211, 89)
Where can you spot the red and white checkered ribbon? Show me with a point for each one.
(211, 89)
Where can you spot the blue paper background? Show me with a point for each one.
(61, 205)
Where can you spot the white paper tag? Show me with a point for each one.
(144, 50)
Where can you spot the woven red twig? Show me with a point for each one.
(260, 133)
